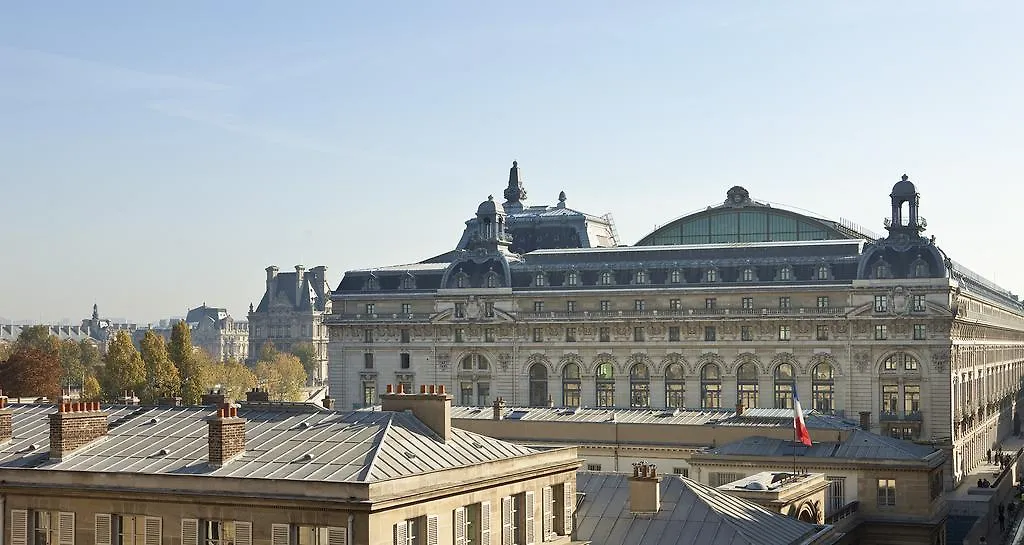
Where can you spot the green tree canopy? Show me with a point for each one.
(307, 356)
(283, 377)
(162, 379)
(91, 390)
(194, 372)
(30, 372)
(268, 351)
(39, 338)
(72, 370)
(89, 355)
(233, 377)
(124, 368)
(180, 349)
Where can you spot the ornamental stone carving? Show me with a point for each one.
(636, 358)
(786, 357)
(746, 357)
(505, 360)
(622, 330)
(605, 357)
(675, 357)
(710, 357)
(814, 360)
(863, 360)
(841, 327)
(900, 298)
(803, 327)
(566, 359)
(657, 329)
(538, 358)
(940, 359)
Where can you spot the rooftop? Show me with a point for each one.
(860, 444)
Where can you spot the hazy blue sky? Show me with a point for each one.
(156, 155)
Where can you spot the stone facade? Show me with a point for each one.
(74, 426)
(742, 302)
(218, 334)
(291, 312)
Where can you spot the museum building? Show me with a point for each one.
(742, 304)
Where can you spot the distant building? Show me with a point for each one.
(94, 329)
(216, 332)
(291, 312)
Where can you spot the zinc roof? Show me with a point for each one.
(354, 447)
(691, 514)
(859, 444)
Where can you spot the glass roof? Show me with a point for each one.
(745, 224)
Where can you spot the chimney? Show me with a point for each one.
(644, 489)
(551, 402)
(271, 282)
(433, 407)
(739, 408)
(169, 402)
(257, 395)
(329, 403)
(865, 420)
(75, 425)
(300, 274)
(214, 397)
(6, 420)
(226, 435)
(499, 408)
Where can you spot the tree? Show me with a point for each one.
(89, 355)
(162, 379)
(233, 377)
(72, 370)
(124, 368)
(283, 377)
(30, 372)
(91, 390)
(268, 351)
(39, 338)
(5, 351)
(180, 349)
(194, 372)
(307, 355)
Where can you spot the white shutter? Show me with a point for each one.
(485, 523)
(402, 533)
(570, 505)
(431, 529)
(243, 533)
(528, 522)
(280, 534)
(337, 536)
(66, 528)
(154, 530)
(102, 529)
(547, 517)
(506, 520)
(459, 526)
(189, 532)
(19, 527)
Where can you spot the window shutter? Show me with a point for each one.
(19, 527)
(402, 533)
(279, 534)
(570, 506)
(66, 528)
(154, 530)
(547, 517)
(485, 523)
(102, 529)
(243, 533)
(189, 532)
(528, 522)
(506, 520)
(459, 526)
(337, 536)
(431, 529)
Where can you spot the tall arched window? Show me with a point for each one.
(823, 387)
(710, 387)
(605, 382)
(746, 384)
(571, 385)
(538, 385)
(674, 386)
(639, 386)
(784, 385)
(475, 381)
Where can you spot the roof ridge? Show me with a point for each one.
(711, 496)
(364, 475)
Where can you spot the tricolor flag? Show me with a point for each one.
(798, 421)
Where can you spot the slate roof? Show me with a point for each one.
(754, 417)
(313, 294)
(691, 514)
(316, 445)
(859, 444)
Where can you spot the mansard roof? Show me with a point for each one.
(860, 445)
(313, 295)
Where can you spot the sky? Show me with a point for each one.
(155, 156)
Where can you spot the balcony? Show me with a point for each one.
(683, 313)
(378, 317)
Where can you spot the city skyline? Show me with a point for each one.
(153, 160)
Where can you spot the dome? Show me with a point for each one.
(904, 188)
(487, 207)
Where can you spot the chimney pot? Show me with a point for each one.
(423, 388)
(865, 420)
(440, 390)
(226, 436)
(433, 389)
(74, 426)
(389, 389)
(433, 410)
(644, 489)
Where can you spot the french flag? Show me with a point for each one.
(798, 421)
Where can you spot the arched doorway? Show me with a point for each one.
(538, 385)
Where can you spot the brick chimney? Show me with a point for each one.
(433, 407)
(271, 282)
(329, 403)
(865, 420)
(226, 435)
(644, 489)
(739, 408)
(257, 395)
(498, 408)
(6, 420)
(75, 425)
(214, 397)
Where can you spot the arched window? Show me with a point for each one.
(823, 388)
(571, 385)
(900, 361)
(786, 273)
(746, 384)
(606, 278)
(461, 280)
(882, 270)
(572, 279)
(823, 272)
(475, 381)
(674, 386)
(372, 284)
(711, 275)
(492, 280)
(605, 382)
(675, 276)
(641, 277)
(784, 386)
(920, 269)
(639, 386)
(408, 283)
(539, 279)
(538, 385)
(710, 387)
(748, 275)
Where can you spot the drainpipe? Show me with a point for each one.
(351, 538)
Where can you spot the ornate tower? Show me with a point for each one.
(515, 192)
(904, 193)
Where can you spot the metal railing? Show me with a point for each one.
(848, 510)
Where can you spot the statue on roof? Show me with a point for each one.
(515, 192)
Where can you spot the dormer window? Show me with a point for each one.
(786, 273)
(492, 280)
(461, 280)
(539, 279)
(747, 275)
(641, 277)
(606, 278)
(711, 275)
(572, 278)
(882, 270)
(920, 269)
(408, 283)
(822, 272)
(372, 284)
(675, 276)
